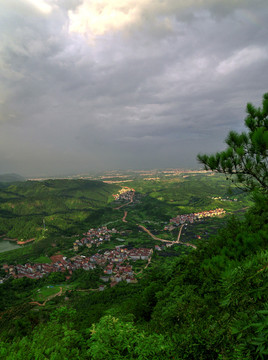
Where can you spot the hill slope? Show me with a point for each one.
(59, 205)
(11, 178)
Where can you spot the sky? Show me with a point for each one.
(92, 85)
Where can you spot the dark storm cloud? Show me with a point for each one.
(152, 89)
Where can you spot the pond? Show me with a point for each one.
(6, 245)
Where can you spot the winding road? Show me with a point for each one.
(167, 241)
(131, 201)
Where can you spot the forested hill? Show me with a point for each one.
(59, 205)
(7, 178)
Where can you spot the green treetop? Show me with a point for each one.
(246, 155)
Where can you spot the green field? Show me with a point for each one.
(46, 291)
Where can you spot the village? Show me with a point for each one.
(125, 194)
(222, 199)
(94, 237)
(182, 219)
(115, 264)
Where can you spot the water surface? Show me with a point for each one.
(6, 245)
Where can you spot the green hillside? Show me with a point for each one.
(58, 205)
(7, 178)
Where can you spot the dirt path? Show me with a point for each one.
(148, 263)
(167, 241)
(189, 244)
(124, 217)
(179, 235)
(152, 235)
(85, 290)
(179, 242)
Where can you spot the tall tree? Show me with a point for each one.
(245, 159)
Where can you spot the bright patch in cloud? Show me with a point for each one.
(97, 17)
(242, 58)
(40, 5)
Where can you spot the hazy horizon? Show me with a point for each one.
(88, 85)
(101, 172)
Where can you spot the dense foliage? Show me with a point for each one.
(247, 153)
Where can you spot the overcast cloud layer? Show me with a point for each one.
(90, 85)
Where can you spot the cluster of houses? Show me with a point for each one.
(94, 237)
(222, 199)
(116, 273)
(125, 194)
(59, 264)
(117, 270)
(182, 219)
(120, 254)
(114, 262)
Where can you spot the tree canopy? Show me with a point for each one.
(246, 155)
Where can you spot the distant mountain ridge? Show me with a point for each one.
(11, 178)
